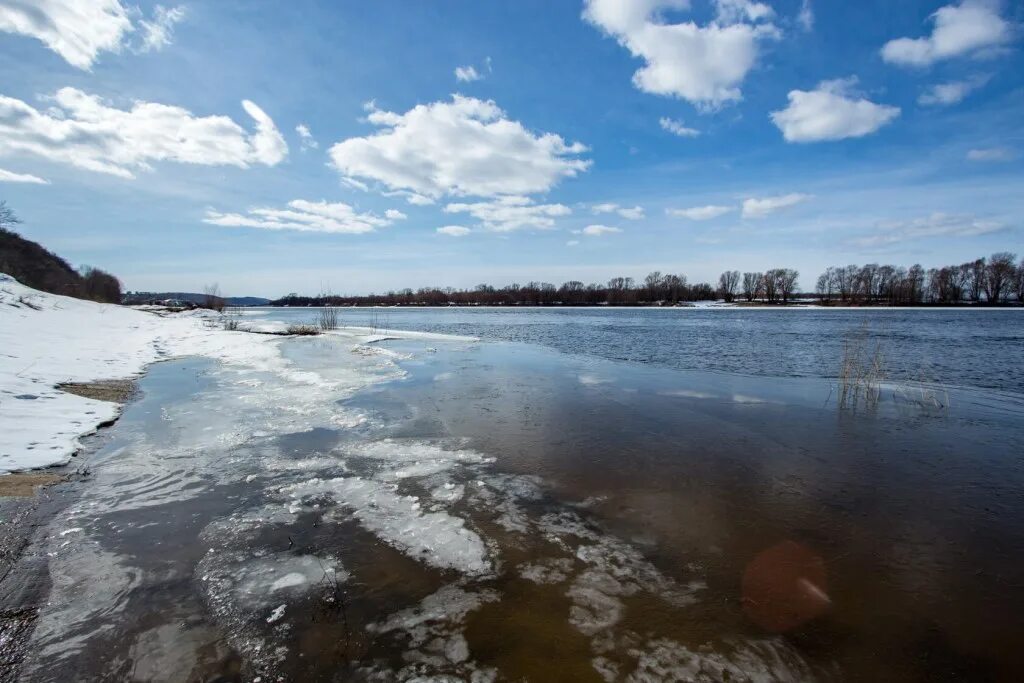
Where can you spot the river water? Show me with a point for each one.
(431, 508)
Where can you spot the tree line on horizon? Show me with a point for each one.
(995, 280)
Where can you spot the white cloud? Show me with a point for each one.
(12, 177)
(505, 214)
(158, 33)
(82, 130)
(462, 147)
(936, 225)
(973, 27)
(572, 243)
(600, 230)
(465, 74)
(304, 216)
(306, 139)
(806, 16)
(704, 65)
(760, 207)
(831, 112)
(676, 127)
(950, 93)
(395, 215)
(454, 231)
(79, 30)
(992, 154)
(633, 213)
(700, 213)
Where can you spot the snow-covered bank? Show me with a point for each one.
(46, 340)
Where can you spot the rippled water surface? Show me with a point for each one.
(441, 509)
(962, 347)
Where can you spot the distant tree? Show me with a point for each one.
(752, 283)
(999, 275)
(728, 284)
(977, 281)
(826, 283)
(212, 298)
(99, 285)
(1020, 282)
(787, 283)
(8, 219)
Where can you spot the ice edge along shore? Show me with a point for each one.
(47, 340)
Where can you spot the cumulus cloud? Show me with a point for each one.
(304, 216)
(936, 225)
(633, 213)
(676, 127)
(505, 214)
(453, 231)
(704, 65)
(572, 243)
(755, 207)
(79, 30)
(395, 215)
(12, 177)
(306, 139)
(700, 213)
(600, 230)
(972, 27)
(992, 154)
(953, 92)
(831, 112)
(462, 147)
(83, 130)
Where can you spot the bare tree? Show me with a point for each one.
(8, 219)
(752, 285)
(653, 285)
(728, 284)
(212, 298)
(1020, 282)
(977, 282)
(787, 283)
(999, 275)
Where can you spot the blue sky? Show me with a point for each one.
(591, 139)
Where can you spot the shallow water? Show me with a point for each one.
(502, 511)
(955, 346)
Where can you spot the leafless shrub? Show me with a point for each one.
(303, 330)
(327, 318)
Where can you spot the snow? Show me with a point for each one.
(47, 339)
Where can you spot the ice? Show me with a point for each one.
(437, 648)
(47, 339)
(435, 538)
(765, 661)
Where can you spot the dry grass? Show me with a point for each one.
(113, 390)
(862, 379)
(861, 372)
(303, 330)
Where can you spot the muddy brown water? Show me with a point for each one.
(618, 508)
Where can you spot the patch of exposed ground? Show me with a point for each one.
(24, 485)
(113, 390)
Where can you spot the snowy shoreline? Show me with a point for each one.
(47, 340)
